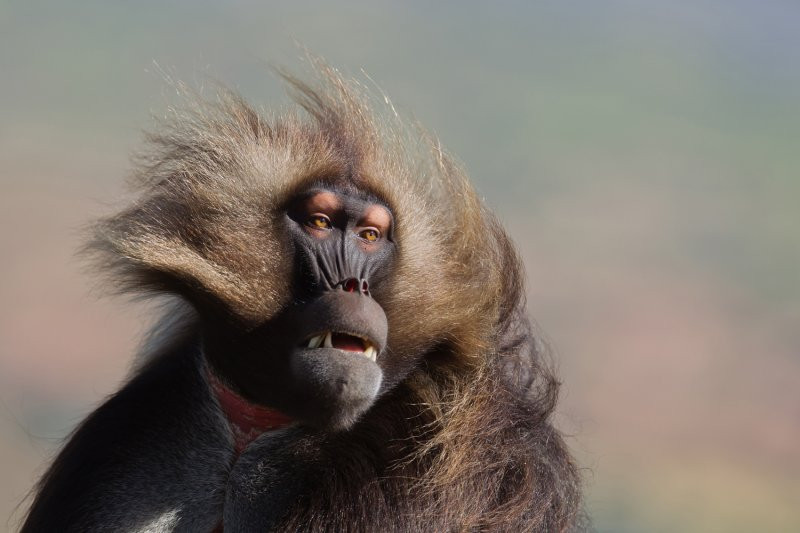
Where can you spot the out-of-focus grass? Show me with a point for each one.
(643, 154)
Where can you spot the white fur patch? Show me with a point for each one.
(163, 523)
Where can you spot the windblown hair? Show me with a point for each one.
(464, 440)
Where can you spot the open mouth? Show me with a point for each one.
(343, 341)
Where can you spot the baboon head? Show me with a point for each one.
(323, 257)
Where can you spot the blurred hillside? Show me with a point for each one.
(644, 156)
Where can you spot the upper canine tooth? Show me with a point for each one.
(370, 352)
(315, 341)
(329, 340)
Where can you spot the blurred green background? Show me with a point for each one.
(645, 156)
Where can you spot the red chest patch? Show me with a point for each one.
(246, 419)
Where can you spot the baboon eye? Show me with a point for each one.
(370, 234)
(319, 221)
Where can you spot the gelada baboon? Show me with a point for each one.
(351, 351)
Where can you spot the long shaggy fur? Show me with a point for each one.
(465, 441)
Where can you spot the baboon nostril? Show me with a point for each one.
(365, 287)
(350, 285)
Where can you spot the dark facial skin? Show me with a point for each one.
(319, 360)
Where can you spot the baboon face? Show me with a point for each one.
(319, 359)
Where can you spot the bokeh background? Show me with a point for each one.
(643, 154)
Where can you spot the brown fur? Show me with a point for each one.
(465, 442)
